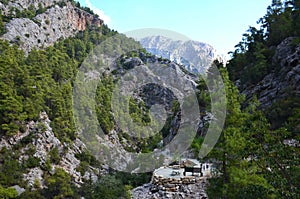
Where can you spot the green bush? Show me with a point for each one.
(55, 156)
(8, 193)
(32, 162)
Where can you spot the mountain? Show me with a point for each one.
(264, 115)
(195, 56)
(39, 24)
(44, 153)
(42, 45)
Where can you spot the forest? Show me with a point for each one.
(253, 159)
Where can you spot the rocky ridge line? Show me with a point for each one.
(57, 22)
(195, 56)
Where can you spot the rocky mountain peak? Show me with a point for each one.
(194, 55)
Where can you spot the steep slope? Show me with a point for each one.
(258, 152)
(39, 24)
(38, 141)
(43, 43)
(151, 82)
(266, 65)
(281, 82)
(195, 56)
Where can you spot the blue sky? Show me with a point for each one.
(219, 23)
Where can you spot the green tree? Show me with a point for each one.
(31, 194)
(108, 187)
(239, 175)
(7, 193)
(10, 168)
(59, 185)
(103, 100)
(2, 25)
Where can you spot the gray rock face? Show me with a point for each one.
(155, 91)
(46, 28)
(205, 118)
(19, 189)
(43, 141)
(156, 82)
(275, 85)
(153, 94)
(35, 174)
(24, 4)
(195, 56)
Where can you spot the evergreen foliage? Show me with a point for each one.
(254, 143)
(251, 159)
(42, 81)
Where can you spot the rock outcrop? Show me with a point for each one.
(158, 84)
(275, 86)
(43, 30)
(25, 4)
(43, 140)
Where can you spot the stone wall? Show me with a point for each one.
(173, 184)
(163, 188)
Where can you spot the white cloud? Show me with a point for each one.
(99, 12)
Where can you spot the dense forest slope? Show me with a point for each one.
(258, 152)
(41, 151)
(266, 65)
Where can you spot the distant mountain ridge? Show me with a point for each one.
(194, 55)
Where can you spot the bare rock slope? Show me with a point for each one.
(195, 56)
(59, 20)
(276, 85)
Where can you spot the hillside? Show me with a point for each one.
(43, 44)
(41, 144)
(39, 24)
(258, 153)
(266, 65)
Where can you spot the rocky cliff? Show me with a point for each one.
(51, 21)
(36, 24)
(40, 140)
(283, 81)
(195, 56)
(145, 78)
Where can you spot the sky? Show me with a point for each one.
(219, 23)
